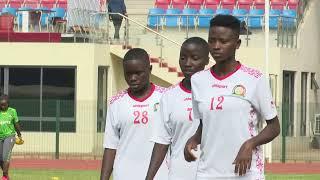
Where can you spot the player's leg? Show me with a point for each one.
(117, 26)
(7, 151)
(1, 152)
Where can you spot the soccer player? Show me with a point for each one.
(129, 122)
(177, 124)
(230, 99)
(9, 126)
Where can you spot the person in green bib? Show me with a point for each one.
(9, 126)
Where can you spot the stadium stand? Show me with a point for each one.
(212, 4)
(9, 10)
(179, 4)
(62, 4)
(278, 4)
(172, 20)
(245, 4)
(187, 20)
(223, 11)
(259, 4)
(293, 4)
(288, 17)
(154, 17)
(240, 8)
(196, 4)
(228, 4)
(274, 18)
(255, 18)
(240, 14)
(205, 17)
(164, 4)
(15, 3)
(48, 3)
(31, 3)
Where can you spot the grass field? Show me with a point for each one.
(23, 174)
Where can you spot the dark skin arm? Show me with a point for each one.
(18, 129)
(243, 160)
(158, 154)
(192, 144)
(107, 163)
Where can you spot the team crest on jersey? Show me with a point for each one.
(156, 107)
(239, 90)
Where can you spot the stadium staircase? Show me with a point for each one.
(160, 68)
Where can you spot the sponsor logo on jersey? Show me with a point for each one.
(219, 86)
(156, 107)
(239, 90)
(141, 105)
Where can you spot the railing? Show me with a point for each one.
(59, 127)
(282, 35)
(135, 34)
(301, 9)
(284, 30)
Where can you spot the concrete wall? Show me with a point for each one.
(86, 58)
(306, 58)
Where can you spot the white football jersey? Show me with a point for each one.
(129, 129)
(230, 108)
(176, 127)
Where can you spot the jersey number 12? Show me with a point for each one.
(216, 105)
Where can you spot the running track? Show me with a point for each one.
(277, 168)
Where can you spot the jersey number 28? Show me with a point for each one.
(140, 117)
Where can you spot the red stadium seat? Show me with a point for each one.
(293, 4)
(6, 23)
(278, 4)
(15, 3)
(48, 3)
(228, 4)
(212, 4)
(179, 4)
(31, 3)
(62, 4)
(259, 4)
(195, 4)
(245, 4)
(163, 4)
(3, 3)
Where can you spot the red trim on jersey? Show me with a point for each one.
(184, 88)
(153, 87)
(225, 76)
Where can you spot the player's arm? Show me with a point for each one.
(162, 136)
(263, 103)
(107, 163)
(271, 131)
(16, 124)
(244, 157)
(111, 142)
(158, 154)
(195, 140)
(17, 127)
(192, 144)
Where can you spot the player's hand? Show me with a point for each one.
(191, 144)
(19, 140)
(242, 162)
